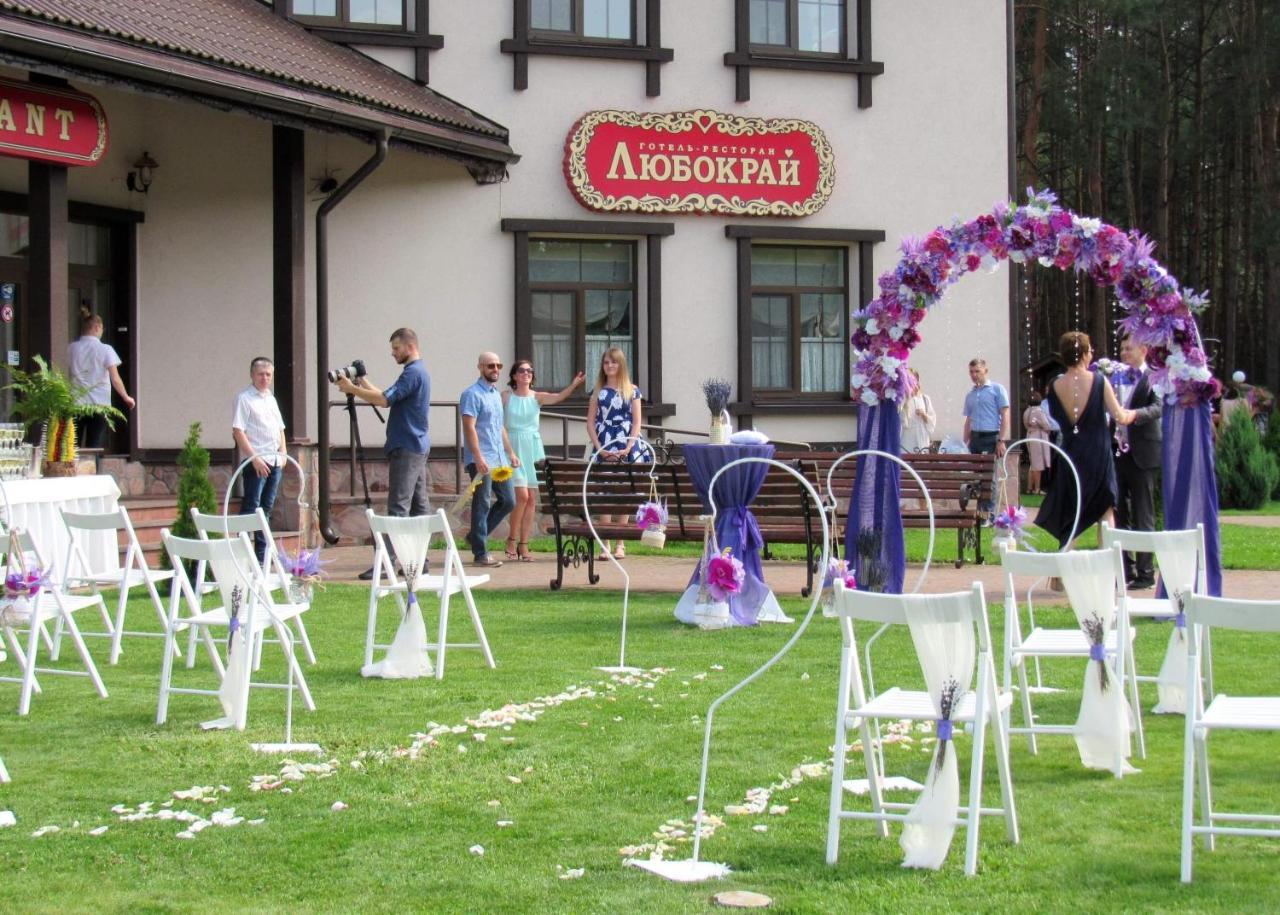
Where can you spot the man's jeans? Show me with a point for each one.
(259, 492)
(406, 488)
(489, 507)
(983, 443)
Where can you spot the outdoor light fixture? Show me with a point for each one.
(140, 179)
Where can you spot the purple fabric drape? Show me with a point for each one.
(1190, 484)
(875, 514)
(736, 527)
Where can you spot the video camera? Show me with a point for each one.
(353, 371)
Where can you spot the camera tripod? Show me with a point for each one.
(357, 447)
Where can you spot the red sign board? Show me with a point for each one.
(51, 125)
(698, 162)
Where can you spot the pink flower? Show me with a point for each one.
(725, 575)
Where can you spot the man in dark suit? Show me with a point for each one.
(1138, 454)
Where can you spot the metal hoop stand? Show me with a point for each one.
(622, 667)
(288, 746)
(693, 870)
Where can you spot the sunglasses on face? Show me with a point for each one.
(524, 371)
(493, 365)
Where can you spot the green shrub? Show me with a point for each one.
(194, 487)
(1247, 472)
(1272, 442)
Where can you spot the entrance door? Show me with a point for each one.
(13, 283)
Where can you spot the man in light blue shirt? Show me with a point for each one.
(485, 447)
(986, 416)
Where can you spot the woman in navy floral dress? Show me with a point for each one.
(613, 419)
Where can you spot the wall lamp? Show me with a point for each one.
(140, 179)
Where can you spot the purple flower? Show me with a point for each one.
(303, 564)
(651, 514)
(28, 584)
(838, 569)
(725, 575)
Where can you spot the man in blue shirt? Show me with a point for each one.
(986, 416)
(485, 447)
(407, 439)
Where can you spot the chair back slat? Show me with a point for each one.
(236, 524)
(1233, 613)
(95, 521)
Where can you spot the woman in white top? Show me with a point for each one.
(918, 419)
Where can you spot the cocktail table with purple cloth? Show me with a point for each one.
(736, 529)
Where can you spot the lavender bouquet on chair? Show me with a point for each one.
(406, 657)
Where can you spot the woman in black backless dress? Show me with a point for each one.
(1080, 401)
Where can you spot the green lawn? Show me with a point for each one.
(596, 774)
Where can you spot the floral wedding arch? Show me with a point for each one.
(1157, 313)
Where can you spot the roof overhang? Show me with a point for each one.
(71, 53)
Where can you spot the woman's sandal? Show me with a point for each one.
(620, 552)
(523, 554)
(510, 548)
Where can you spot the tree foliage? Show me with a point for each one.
(1247, 472)
(1163, 116)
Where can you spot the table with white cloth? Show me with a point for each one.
(33, 506)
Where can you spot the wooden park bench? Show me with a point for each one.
(782, 509)
(957, 483)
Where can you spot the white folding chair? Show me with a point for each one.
(1242, 713)
(1094, 585)
(411, 539)
(239, 585)
(51, 604)
(275, 576)
(952, 638)
(1180, 559)
(133, 572)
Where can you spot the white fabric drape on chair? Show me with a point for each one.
(946, 649)
(407, 657)
(1105, 720)
(236, 596)
(1178, 574)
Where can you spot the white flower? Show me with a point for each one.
(869, 397)
(477, 850)
(872, 327)
(896, 332)
(889, 363)
(1087, 225)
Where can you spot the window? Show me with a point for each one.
(591, 20)
(799, 299)
(357, 13)
(584, 285)
(582, 301)
(799, 26)
(824, 36)
(601, 29)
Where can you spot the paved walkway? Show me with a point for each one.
(1252, 521)
(671, 574)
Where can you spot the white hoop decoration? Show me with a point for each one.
(693, 870)
(288, 746)
(1004, 475)
(622, 667)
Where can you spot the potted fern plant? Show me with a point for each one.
(51, 401)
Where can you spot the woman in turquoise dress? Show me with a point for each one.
(521, 410)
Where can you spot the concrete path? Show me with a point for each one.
(671, 574)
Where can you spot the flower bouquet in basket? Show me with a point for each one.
(1010, 524)
(305, 571)
(722, 577)
(837, 570)
(21, 588)
(651, 518)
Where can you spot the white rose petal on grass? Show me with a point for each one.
(479, 738)
(185, 835)
(515, 779)
(338, 806)
(760, 827)
(258, 822)
(477, 850)
(462, 748)
(44, 831)
(804, 676)
(7, 818)
(495, 803)
(503, 824)
(573, 873)
(99, 830)
(778, 810)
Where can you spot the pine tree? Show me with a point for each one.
(1272, 441)
(1247, 472)
(194, 487)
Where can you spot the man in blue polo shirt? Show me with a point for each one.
(485, 447)
(407, 439)
(986, 417)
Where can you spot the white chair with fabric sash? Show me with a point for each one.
(1180, 558)
(28, 615)
(408, 653)
(133, 572)
(274, 574)
(952, 639)
(1094, 583)
(1241, 713)
(246, 612)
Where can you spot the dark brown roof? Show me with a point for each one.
(223, 42)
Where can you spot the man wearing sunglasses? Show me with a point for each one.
(485, 447)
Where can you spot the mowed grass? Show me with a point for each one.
(595, 774)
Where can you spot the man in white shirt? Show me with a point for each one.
(94, 366)
(258, 428)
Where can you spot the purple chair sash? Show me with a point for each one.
(874, 504)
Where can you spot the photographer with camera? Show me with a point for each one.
(258, 430)
(407, 439)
